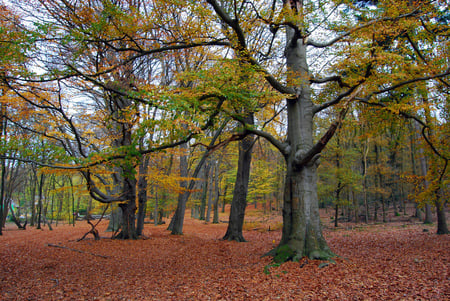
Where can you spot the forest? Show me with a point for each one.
(296, 117)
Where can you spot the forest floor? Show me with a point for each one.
(393, 261)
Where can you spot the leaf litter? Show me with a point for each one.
(378, 262)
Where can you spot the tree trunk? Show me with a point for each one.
(224, 197)
(204, 193)
(423, 168)
(129, 210)
(142, 194)
(239, 201)
(302, 232)
(210, 193)
(41, 184)
(176, 224)
(216, 191)
(441, 219)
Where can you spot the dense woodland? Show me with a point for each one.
(140, 109)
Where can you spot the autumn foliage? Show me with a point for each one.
(377, 262)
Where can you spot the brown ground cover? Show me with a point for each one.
(377, 262)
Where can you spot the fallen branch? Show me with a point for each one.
(75, 250)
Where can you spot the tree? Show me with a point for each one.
(363, 43)
(239, 201)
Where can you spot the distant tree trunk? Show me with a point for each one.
(441, 218)
(412, 141)
(142, 194)
(424, 168)
(155, 210)
(204, 192)
(177, 220)
(3, 210)
(210, 194)
(41, 184)
(239, 201)
(33, 176)
(224, 198)
(380, 183)
(216, 191)
(176, 224)
(364, 165)
(339, 184)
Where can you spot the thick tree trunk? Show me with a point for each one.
(129, 210)
(239, 201)
(302, 232)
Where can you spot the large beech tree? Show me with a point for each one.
(359, 40)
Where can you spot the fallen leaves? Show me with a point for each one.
(395, 263)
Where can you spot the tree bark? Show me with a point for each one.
(176, 224)
(302, 232)
(216, 191)
(129, 210)
(239, 201)
(142, 194)
(442, 227)
(204, 192)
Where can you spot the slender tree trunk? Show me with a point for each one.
(210, 193)
(224, 198)
(41, 184)
(380, 182)
(216, 191)
(239, 201)
(424, 168)
(176, 224)
(177, 220)
(33, 185)
(339, 185)
(142, 194)
(3, 210)
(155, 211)
(204, 192)
(412, 138)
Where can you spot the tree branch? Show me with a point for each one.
(346, 34)
(284, 148)
(302, 158)
(244, 53)
(335, 101)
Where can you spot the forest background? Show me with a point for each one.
(150, 107)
